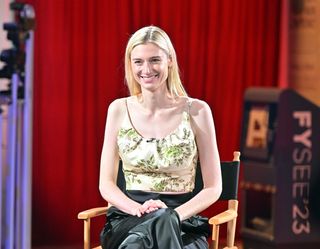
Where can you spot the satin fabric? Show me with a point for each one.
(161, 229)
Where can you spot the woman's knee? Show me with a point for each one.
(134, 240)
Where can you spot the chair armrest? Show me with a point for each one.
(223, 217)
(93, 212)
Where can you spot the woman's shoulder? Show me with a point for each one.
(200, 114)
(117, 106)
(197, 105)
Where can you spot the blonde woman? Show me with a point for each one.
(159, 133)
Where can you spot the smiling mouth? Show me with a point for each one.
(149, 76)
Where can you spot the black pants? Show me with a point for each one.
(161, 229)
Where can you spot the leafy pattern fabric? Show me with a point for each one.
(159, 165)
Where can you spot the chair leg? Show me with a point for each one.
(86, 232)
(231, 227)
(231, 233)
(215, 236)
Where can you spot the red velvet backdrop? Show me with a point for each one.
(223, 47)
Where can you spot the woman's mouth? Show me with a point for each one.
(149, 76)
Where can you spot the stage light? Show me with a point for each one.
(6, 72)
(8, 56)
(17, 33)
(17, 6)
(14, 63)
(26, 15)
(10, 26)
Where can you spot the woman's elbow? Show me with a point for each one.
(215, 192)
(219, 191)
(103, 188)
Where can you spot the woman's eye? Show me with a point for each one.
(155, 60)
(137, 62)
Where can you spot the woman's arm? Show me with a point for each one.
(109, 166)
(110, 161)
(203, 126)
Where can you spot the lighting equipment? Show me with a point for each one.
(16, 104)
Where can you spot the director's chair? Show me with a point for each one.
(230, 177)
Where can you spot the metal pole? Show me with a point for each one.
(1, 176)
(11, 164)
(19, 179)
(16, 174)
(27, 145)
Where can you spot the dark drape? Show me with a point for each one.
(222, 47)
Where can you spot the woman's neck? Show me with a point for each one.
(153, 101)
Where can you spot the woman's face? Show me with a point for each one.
(150, 65)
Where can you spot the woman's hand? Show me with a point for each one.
(153, 205)
(148, 207)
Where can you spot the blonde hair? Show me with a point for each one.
(158, 37)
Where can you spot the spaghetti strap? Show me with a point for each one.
(128, 119)
(126, 101)
(189, 103)
(128, 113)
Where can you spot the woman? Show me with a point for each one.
(159, 133)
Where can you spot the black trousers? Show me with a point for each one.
(161, 229)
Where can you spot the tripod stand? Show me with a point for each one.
(16, 132)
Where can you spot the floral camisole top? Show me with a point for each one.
(159, 165)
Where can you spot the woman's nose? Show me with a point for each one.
(146, 67)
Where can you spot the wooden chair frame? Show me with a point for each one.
(228, 217)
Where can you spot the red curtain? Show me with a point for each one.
(223, 47)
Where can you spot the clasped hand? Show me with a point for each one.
(148, 207)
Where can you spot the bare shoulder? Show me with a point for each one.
(117, 109)
(199, 108)
(201, 116)
(117, 105)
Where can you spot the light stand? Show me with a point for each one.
(18, 99)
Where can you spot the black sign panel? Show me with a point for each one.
(297, 165)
